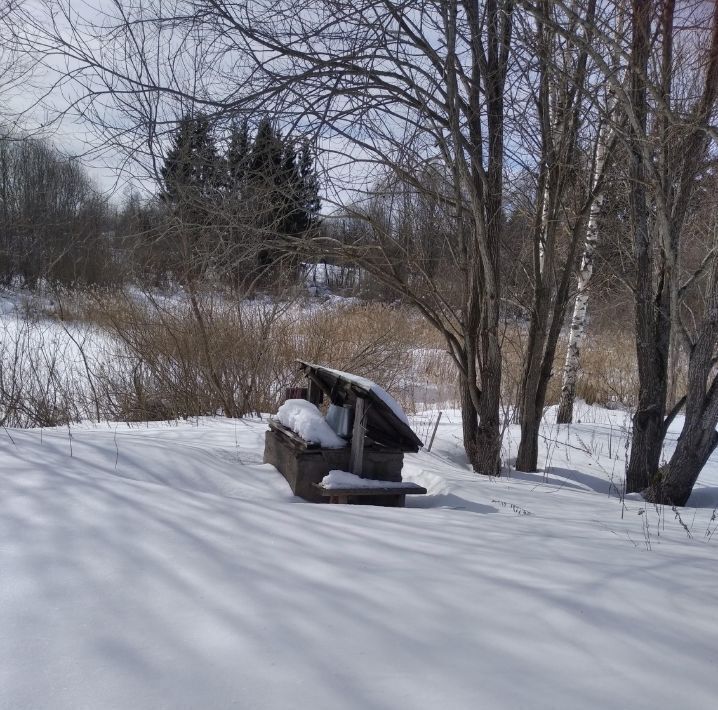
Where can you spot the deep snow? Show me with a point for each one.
(163, 566)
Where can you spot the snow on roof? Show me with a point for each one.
(381, 393)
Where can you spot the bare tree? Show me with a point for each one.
(52, 219)
(567, 186)
(660, 197)
(668, 99)
(673, 483)
(379, 83)
(605, 141)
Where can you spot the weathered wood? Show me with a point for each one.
(414, 489)
(381, 422)
(357, 454)
(274, 425)
(433, 433)
(393, 496)
(315, 394)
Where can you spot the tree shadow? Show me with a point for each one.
(703, 497)
(567, 478)
(449, 500)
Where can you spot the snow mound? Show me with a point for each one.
(344, 479)
(304, 419)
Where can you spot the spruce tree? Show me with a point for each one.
(237, 157)
(192, 171)
(193, 175)
(265, 159)
(309, 186)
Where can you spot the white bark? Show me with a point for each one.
(580, 309)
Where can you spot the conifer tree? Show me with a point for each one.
(192, 174)
(309, 185)
(237, 157)
(192, 169)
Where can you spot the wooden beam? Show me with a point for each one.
(357, 454)
(315, 394)
(433, 434)
(374, 491)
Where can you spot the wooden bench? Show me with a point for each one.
(391, 494)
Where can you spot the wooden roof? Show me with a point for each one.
(383, 424)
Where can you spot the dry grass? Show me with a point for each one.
(608, 375)
(141, 357)
(164, 358)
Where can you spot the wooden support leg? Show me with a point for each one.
(357, 452)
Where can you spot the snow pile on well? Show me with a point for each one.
(304, 419)
(344, 479)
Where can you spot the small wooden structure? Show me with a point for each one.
(380, 437)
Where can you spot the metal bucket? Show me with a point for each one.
(341, 419)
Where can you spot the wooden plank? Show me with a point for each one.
(315, 394)
(374, 491)
(276, 426)
(357, 454)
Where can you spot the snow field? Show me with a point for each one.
(163, 566)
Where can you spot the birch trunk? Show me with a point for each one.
(580, 309)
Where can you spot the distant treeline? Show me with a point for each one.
(222, 207)
(52, 219)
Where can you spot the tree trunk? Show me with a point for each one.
(530, 408)
(578, 321)
(573, 356)
(489, 435)
(469, 424)
(673, 483)
(647, 435)
(527, 458)
(646, 442)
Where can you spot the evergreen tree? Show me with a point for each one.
(310, 201)
(234, 208)
(192, 172)
(193, 175)
(277, 185)
(238, 157)
(265, 159)
(291, 221)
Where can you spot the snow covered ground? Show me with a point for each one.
(164, 566)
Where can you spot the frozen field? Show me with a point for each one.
(164, 567)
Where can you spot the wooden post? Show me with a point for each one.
(314, 394)
(357, 452)
(433, 434)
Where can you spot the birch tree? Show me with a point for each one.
(605, 141)
(669, 99)
(565, 105)
(580, 309)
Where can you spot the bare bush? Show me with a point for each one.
(133, 356)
